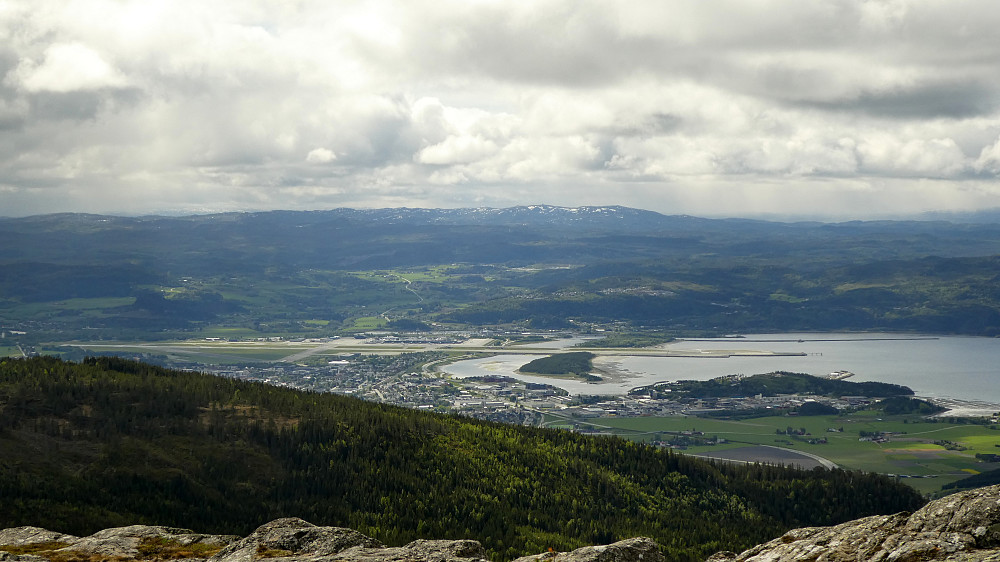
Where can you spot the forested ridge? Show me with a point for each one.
(573, 363)
(773, 384)
(111, 442)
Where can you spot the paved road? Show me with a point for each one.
(769, 454)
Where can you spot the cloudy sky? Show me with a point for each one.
(782, 108)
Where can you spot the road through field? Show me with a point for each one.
(768, 454)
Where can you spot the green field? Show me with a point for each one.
(84, 308)
(205, 352)
(227, 333)
(370, 323)
(944, 451)
(429, 274)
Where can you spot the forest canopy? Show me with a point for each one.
(112, 442)
(573, 363)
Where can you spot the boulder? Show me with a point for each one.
(293, 537)
(125, 542)
(961, 527)
(291, 540)
(20, 536)
(638, 549)
(419, 550)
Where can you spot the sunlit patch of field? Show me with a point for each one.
(915, 451)
(370, 323)
(94, 307)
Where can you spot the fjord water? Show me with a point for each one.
(954, 367)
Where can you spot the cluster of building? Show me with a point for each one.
(654, 404)
(409, 380)
(402, 380)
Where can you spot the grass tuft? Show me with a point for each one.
(159, 548)
(264, 552)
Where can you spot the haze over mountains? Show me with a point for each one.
(330, 235)
(535, 266)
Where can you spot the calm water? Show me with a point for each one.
(963, 368)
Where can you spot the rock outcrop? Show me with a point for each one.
(282, 540)
(20, 536)
(135, 542)
(293, 537)
(125, 542)
(638, 549)
(963, 527)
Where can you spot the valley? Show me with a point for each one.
(415, 371)
(109, 441)
(437, 309)
(599, 270)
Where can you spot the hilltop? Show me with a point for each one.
(109, 442)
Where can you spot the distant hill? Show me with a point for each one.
(574, 363)
(110, 442)
(74, 276)
(774, 384)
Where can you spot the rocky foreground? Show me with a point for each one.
(283, 540)
(963, 527)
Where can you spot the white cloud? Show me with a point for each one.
(989, 159)
(891, 156)
(457, 150)
(321, 156)
(688, 106)
(67, 67)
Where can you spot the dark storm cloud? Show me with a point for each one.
(943, 100)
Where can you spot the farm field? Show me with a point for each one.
(207, 352)
(88, 308)
(225, 352)
(927, 454)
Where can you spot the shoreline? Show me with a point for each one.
(803, 340)
(959, 408)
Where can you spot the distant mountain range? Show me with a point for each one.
(494, 266)
(63, 236)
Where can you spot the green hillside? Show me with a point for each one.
(773, 384)
(573, 363)
(111, 442)
(317, 274)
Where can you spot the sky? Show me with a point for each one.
(824, 109)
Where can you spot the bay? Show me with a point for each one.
(944, 367)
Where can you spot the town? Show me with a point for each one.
(411, 380)
(404, 370)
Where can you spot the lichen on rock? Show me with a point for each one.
(960, 527)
